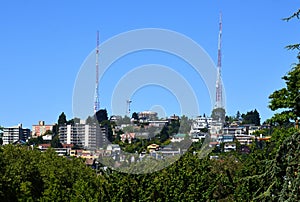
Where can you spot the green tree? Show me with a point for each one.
(238, 115)
(218, 114)
(185, 124)
(90, 120)
(73, 121)
(62, 119)
(135, 116)
(108, 127)
(251, 117)
(48, 132)
(287, 99)
(55, 142)
(55, 129)
(35, 141)
(102, 115)
(125, 120)
(229, 119)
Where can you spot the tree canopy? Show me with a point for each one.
(62, 119)
(101, 115)
(251, 117)
(218, 114)
(287, 99)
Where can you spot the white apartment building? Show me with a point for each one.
(14, 134)
(84, 135)
(200, 123)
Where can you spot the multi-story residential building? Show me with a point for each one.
(200, 123)
(83, 135)
(147, 116)
(216, 128)
(14, 134)
(237, 130)
(253, 129)
(245, 139)
(226, 138)
(40, 129)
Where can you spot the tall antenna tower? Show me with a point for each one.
(128, 107)
(219, 96)
(96, 102)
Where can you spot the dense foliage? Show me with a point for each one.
(251, 117)
(268, 173)
(287, 99)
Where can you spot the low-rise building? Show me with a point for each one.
(127, 136)
(178, 137)
(199, 135)
(229, 147)
(47, 137)
(153, 147)
(216, 128)
(245, 139)
(145, 116)
(59, 151)
(234, 130)
(113, 149)
(253, 129)
(158, 123)
(226, 138)
(198, 124)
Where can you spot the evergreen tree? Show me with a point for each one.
(101, 115)
(251, 117)
(238, 115)
(90, 120)
(288, 99)
(135, 116)
(62, 119)
(218, 114)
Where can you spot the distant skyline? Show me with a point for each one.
(43, 45)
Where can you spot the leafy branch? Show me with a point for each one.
(296, 14)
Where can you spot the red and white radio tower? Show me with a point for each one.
(219, 96)
(96, 102)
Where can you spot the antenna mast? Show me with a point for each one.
(219, 100)
(128, 106)
(97, 103)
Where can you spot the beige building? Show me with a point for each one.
(40, 129)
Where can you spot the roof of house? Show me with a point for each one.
(153, 146)
(45, 145)
(179, 135)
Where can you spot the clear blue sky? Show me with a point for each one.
(44, 43)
